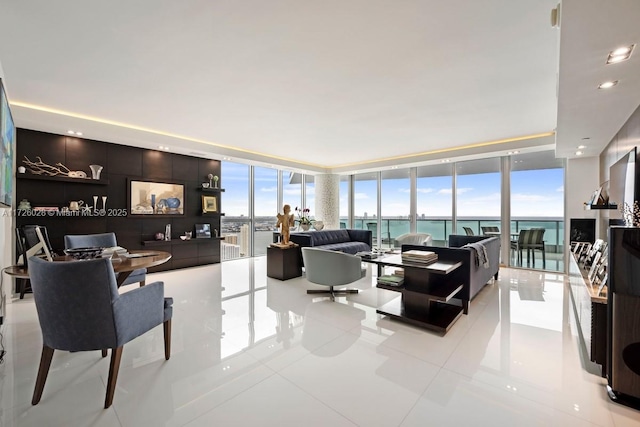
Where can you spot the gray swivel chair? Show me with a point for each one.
(468, 231)
(423, 239)
(80, 309)
(103, 240)
(331, 268)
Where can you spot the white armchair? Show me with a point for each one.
(423, 239)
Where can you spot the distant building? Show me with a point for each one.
(244, 240)
(229, 251)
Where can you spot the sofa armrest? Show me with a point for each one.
(363, 236)
(302, 239)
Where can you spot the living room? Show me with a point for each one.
(249, 349)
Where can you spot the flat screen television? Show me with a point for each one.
(622, 185)
(7, 147)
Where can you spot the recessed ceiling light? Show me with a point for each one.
(607, 85)
(579, 153)
(79, 133)
(446, 161)
(580, 147)
(620, 54)
(513, 152)
(71, 132)
(623, 50)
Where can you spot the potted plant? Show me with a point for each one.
(303, 218)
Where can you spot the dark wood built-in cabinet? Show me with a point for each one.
(120, 165)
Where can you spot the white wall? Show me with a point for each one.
(582, 179)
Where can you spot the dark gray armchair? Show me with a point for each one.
(331, 268)
(104, 240)
(80, 309)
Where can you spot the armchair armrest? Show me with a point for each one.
(138, 311)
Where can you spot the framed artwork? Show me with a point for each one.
(209, 204)
(7, 146)
(203, 231)
(156, 198)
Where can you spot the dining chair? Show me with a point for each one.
(490, 229)
(31, 240)
(531, 240)
(469, 231)
(331, 268)
(103, 240)
(373, 226)
(79, 309)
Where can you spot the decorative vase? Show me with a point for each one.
(318, 225)
(95, 203)
(104, 203)
(305, 227)
(95, 171)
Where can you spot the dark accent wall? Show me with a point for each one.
(120, 163)
(627, 137)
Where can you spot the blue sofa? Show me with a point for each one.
(472, 276)
(343, 240)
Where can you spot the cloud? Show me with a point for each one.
(425, 190)
(458, 191)
(560, 189)
(360, 196)
(269, 189)
(519, 197)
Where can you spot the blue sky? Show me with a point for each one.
(537, 193)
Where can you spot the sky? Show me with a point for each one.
(534, 193)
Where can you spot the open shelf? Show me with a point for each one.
(64, 179)
(178, 241)
(211, 190)
(599, 207)
(440, 317)
(212, 214)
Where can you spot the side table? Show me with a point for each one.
(284, 263)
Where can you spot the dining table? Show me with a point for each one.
(123, 264)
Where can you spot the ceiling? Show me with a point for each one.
(321, 86)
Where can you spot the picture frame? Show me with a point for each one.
(209, 204)
(203, 231)
(156, 198)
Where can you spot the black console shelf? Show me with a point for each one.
(65, 179)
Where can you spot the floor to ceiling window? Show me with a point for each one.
(365, 200)
(266, 207)
(310, 195)
(478, 195)
(292, 191)
(236, 224)
(434, 202)
(395, 202)
(537, 211)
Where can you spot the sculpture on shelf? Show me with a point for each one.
(41, 168)
(285, 221)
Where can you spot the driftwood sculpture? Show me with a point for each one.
(41, 168)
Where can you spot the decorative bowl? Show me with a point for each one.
(183, 237)
(84, 253)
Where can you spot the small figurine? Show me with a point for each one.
(285, 221)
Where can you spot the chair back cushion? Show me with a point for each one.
(331, 268)
(326, 237)
(531, 237)
(103, 240)
(73, 300)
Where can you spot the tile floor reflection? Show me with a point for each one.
(253, 351)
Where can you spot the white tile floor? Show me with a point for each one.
(253, 351)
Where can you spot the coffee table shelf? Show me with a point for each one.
(440, 317)
(425, 294)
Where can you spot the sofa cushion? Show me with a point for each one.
(327, 237)
(348, 247)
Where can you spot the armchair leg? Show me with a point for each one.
(167, 339)
(43, 371)
(142, 283)
(104, 352)
(114, 367)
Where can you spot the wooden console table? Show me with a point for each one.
(425, 294)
